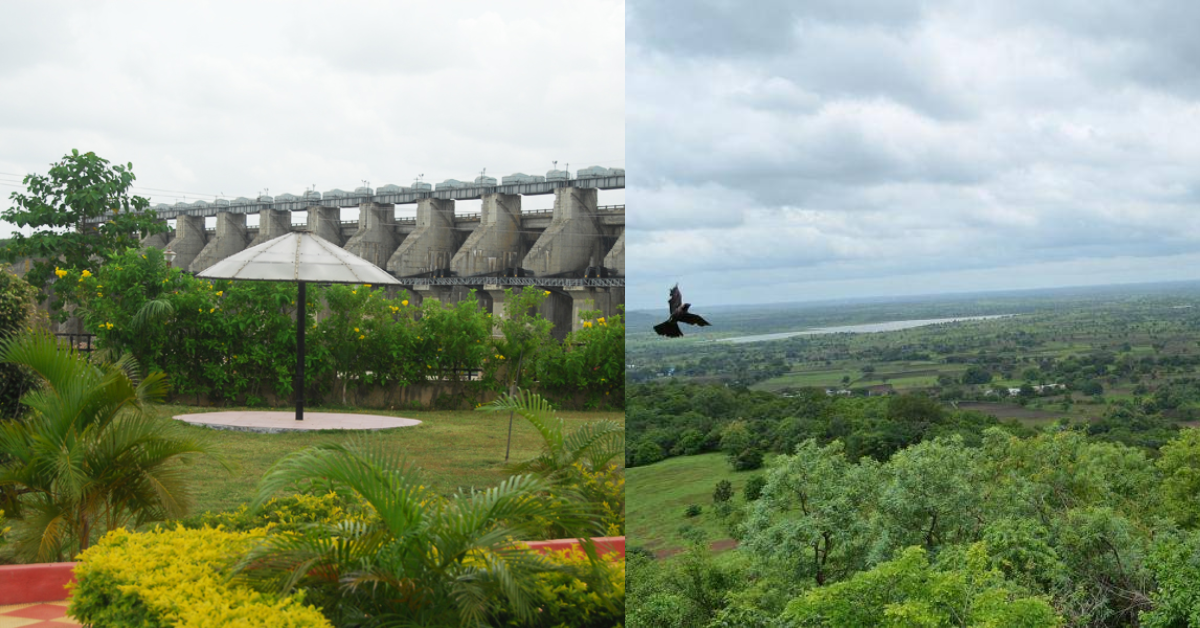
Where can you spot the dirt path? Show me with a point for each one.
(722, 545)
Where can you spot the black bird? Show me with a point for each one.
(679, 314)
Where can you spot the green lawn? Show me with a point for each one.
(657, 495)
(455, 449)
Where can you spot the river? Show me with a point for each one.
(860, 329)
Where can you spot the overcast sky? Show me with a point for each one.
(840, 148)
(231, 98)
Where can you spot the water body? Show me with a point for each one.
(861, 329)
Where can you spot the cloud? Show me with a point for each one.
(918, 140)
(221, 97)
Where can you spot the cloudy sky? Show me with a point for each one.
(231, 98)
(841, 148)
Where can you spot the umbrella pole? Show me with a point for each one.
(301, 319)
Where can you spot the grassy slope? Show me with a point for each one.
(455, 449)
(657, 495)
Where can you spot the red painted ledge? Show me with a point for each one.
(39, 582)
(604, 545)
(47, 582)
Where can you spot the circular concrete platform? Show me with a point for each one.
(271, 422)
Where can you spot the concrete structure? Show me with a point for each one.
(573, 240)
(230, 239)
(615, 260)
(376, 238)
(326, 222)
(496, 246)
(188, 242)
(271, 225)
(429, 248)
(575, 250)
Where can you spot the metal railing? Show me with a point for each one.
(79, 342)
(548, 282)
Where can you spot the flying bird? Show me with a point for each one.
(679, 314)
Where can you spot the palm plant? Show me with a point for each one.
(92, 455)
(578, 465)
(423, 560)
(594, 444)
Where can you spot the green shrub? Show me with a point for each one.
(693, 510)
(18, 312)
(579, 596)
(178, 579)
(591, 360)
(754, 487)
(723, 492)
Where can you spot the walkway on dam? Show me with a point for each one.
(274, 422)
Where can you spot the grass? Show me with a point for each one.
(656, 496)
(455, 449)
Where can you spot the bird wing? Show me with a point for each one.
(669, 328)
(676, 299)
(692, 319)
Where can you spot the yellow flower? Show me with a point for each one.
(220, 292)
(404, 302)
(547, 293)
(356, 330)
(366, 285)
(587, 323)
(60, 272)
(354, 292)
(361, 337)
(211, 310)
(601, 320)
(200, 310)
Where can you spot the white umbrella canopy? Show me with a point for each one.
(299, 257)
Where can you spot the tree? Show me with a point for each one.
(932, 496)
(812, 519)
(525, 330)
(1092, 387)
(1180, 467)
(58, 206)
(908, 591)
(93, 456)
(976, 374)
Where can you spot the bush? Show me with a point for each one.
(580, 596)
(286, 514)
(723, 492)
(693, 510)
(18, 303)
(235, 340)
(591, 360)
(177, 578)
(748, 459)
(754, 487)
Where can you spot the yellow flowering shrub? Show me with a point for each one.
(177, 578)
(604, 489)
(288, 514)
(579, 596)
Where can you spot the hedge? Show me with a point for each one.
(177, 578)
